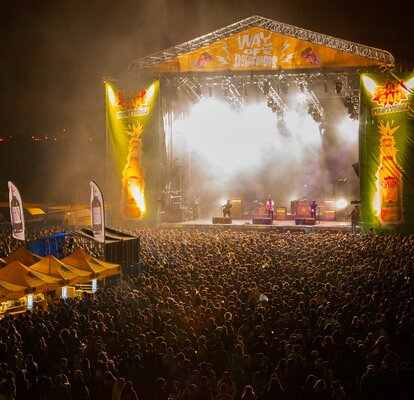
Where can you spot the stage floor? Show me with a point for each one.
(279, 225)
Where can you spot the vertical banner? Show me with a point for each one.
(97, 213)
(132, 140)
(16, 212)
(387, 153)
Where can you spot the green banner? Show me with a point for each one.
(387, 153)
(132, 114)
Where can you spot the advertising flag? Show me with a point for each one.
(97, 213)
(16, 212)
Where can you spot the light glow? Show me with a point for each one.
(410, 84)
(150, 92)
(111, 96)
(348, 130)
(138, 195)
(369, 84)
(29, 301)
(340, 204)
(227, 152)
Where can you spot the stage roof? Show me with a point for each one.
(261, 44)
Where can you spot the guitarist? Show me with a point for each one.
(226, 209)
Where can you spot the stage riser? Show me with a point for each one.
(305, 221)
(262, 221)
(221, 220)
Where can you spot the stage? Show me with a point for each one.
(277, 225)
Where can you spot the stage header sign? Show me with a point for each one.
(258, 49)
(387, 153)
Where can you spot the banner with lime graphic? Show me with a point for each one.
(132, 138)
(387, 153)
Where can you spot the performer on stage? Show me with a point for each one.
(270, 207)
(313, 208)
(354, 218)
(226, 209)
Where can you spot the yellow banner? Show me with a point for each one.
(130, 119)
(258, 49)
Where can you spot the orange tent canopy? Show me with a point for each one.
(18, 274)
(24, 256)
(51, 266)
(98, 268)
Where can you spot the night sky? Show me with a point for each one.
(55, 54)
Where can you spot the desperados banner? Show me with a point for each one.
(387, 153)
(132, 133)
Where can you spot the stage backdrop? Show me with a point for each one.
(387, 153)
(132, 151)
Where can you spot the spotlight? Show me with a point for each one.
(341, 204)
(210, 91)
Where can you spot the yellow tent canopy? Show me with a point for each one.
(24, 256)
(18, 274)
(51, 266)
(100, 269)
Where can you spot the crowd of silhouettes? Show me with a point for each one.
(220, 314)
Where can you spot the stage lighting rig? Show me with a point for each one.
(315, 110)
(352, 104)
(274, 101)
(192, 89)
(233, 95)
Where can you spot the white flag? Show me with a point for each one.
(97, 213)
(16, 212)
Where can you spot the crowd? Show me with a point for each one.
(220, 314)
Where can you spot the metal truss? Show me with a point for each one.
(272, 95)
(192, 88)
(318, 113)
(261, 22)
(350, 94)
(233, 95)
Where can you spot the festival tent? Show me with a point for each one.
(97, 268)
(20, 280)
(51, 266)
(24, 256)
(10, 291)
